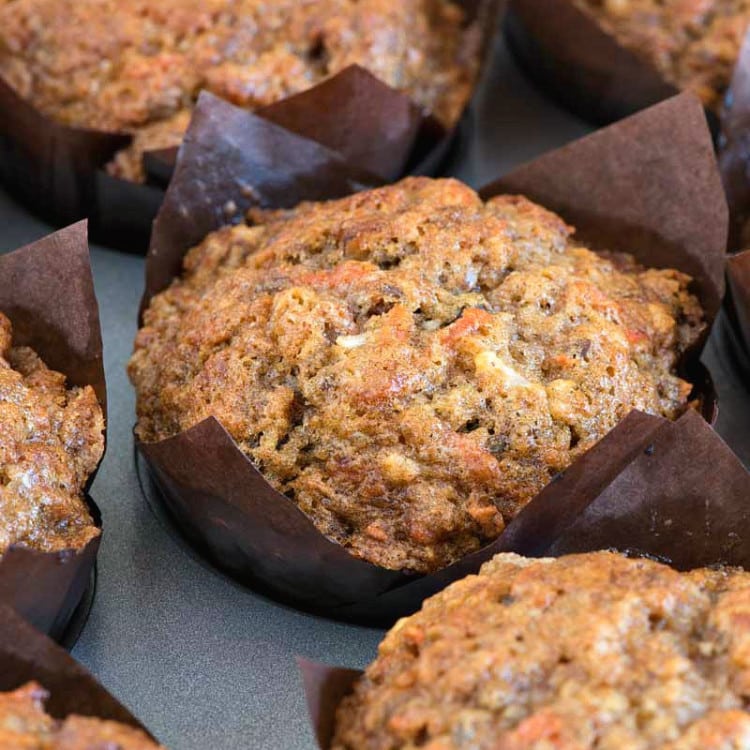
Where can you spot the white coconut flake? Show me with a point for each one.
(490, 360)
(351, 342)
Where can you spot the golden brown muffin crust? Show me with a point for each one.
(51, 440)
(409, 364)
(694, 44)
(586, 651)
(24, 725)
(138, 66)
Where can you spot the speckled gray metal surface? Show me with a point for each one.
(203, 662)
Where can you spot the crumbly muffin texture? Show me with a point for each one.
(694, 44)
(586, 651)
(410, 365)
(51, 440)
(138, 66)
(24, 725)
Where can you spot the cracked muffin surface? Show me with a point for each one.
(694, 44)
(24, 725)
(137, 66)
(51, 441)
(575, 653)
(411, 365)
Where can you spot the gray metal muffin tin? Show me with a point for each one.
(205, 663)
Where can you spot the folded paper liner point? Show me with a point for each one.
(584, 67)
(47, 292)
(26, 655)
(626, 188)
(59, 171)
(663, 500)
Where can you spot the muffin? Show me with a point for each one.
(694, 44)
(137, 67)
(24, 724)
(587, 651)
(51, 441)
(411, 365)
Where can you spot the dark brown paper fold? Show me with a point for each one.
(26, 655)
(368, 124)
(47, 292)
(581, 65)
(648, 185)
(586, 69)
(325, 687)
(668, 490)
(58, 171)
(231, 160)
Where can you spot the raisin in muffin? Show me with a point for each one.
(137, 66)
(24, 725)
(694, 44)
(51, 440)
(411, 365)
(583, 652)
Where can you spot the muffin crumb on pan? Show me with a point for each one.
(694, 44)
(51, 441)
(587, 651)
(25, 724)
(142, 64)
(411, 365)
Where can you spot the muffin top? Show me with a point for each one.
(24, 725)
(51, 440)
(138, 66)
(410, 365)
(586, 651)
(694, 44)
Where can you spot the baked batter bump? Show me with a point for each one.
(24, 725)
(411, 365)
(585, 652)
(51, 441)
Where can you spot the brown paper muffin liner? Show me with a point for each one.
(26, 654)
(648, 185)
(587, 70)
(58, 171)
(47, 292)
(568, 54)
(649, 488)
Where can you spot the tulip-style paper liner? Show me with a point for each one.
(568, 53)
(584, 67)
(47, 292)
(59, 171)
(26, 655)
(673, 491)
(648, 185)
